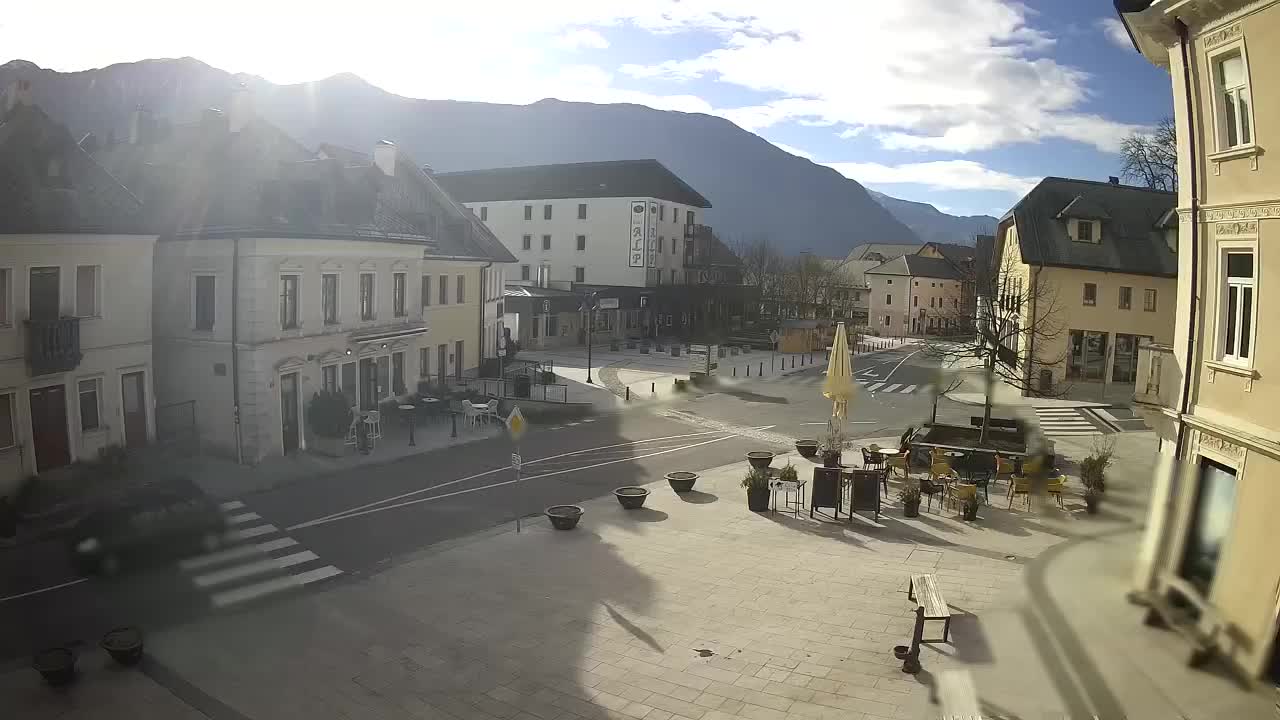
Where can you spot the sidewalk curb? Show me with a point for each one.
(1084, 404)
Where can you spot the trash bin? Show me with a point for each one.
(523, 384)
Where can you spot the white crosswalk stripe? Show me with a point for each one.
(893, 388)
(259, 560)
(1065, 422)
(875, 386)
(869, 382)
(908, 389)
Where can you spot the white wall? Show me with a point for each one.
(607, 229)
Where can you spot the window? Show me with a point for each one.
(915, 301)
(90, 407)
(426, 291)
(1232, 101)
(1237, 307)
(889, 282)
(1126, 298)
(8, 438)
(673, 246)
(1149, 300)
(660, 239)
(484, 213)
(6, 285)
(329, 378)
(329, 298)
(931, 301)
(955, 303)
(87, 291)
(366, 296)
(582, 242)
(886, 321)
(888, 299)
(462, 289)
(288, 301)
(933, 284)
(526, 242)
(397, 373)
(528, 212)
(582, 211)
(546, 242)
(688, 217)
(662, 211)
(1090, 294)
(204, 297)
(579, 274)
(546, 212)
(1087, 355)
(444, 289)
(1210, 521)
(424, 362)
(524, 272)
(1084, 231)
(397, 295)
(673, 277)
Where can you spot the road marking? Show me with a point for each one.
(504, 468)
(909, 389)
(265, 565)
(243, 517)
(255, 531)
(846, 422)
(875, 386)
(235, 553)
(29, 593)
(232, 505)
(358, 512)
(893, 388)
(285, 582)
(895, 367)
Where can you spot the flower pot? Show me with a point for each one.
(56, 665)
(630, 497)
(682, 480)
(901, 652)
(831, 458)
(968, 514)
(760, 459)
(758, 499)
(564, 517)
(911, 509)
(1091, 504)
(807, 448)
(124, 644)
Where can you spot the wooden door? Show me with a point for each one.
(368, 385)
(45, 293)
(442, 361)
(289, 412)
(457, 360)
(133, 394)
(49, 427)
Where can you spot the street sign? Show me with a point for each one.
(516, 424)
(607, 304)
(546, 306)
(515, 460)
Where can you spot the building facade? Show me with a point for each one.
(75, 292)
(1207, 390)
(1093, 270)
(916, 295)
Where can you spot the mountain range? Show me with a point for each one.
(755, 188)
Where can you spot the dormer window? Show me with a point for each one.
(1084, 231)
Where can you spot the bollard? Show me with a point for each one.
(453, 419)
(760, 372)
(748, 369)
(653, 388)
(911, 664)
(628, 393)
(735, 371)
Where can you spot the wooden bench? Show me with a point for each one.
(1195, 620)
(976, 421)
(924, 590)
(957, 696)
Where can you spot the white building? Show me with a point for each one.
(75, 298)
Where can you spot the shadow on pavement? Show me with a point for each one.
(697, 497)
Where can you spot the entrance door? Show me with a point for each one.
(368, 385)
(44, 293)
(457, 360)
(442, 361)
(49, 427)
(133, 391)
(289, 412)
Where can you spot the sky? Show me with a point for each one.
(964, 104)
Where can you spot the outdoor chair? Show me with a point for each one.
(491, 411)
(1004, 470)
(961, 493)
(1019, 485)
(373, 425)
(898, 463)
(872, 460)
(470, 412)
(353, 429)
(930, 488)
(940, 469)
(1055, 488)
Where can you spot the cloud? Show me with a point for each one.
(582, 38)
(1115, 31)
(939, 175)
(793, 150)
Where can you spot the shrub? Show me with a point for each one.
(788, 473)
(329, 414)
(756, 479)
(909, 493)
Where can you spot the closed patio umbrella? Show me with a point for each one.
(839, 385)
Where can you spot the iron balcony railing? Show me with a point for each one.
(53, 346)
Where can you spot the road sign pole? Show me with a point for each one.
(516, 466)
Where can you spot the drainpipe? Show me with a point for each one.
(235, 353)
(484, 300)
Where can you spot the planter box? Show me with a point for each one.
(328, 446)
(966, 436)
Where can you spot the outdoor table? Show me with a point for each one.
(431, 405)
(790, 490)
(408, 410)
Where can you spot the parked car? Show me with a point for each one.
(154, 523)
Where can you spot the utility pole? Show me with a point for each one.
(591, 316)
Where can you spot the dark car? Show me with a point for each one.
(151, 524)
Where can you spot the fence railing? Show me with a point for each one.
(507, 388)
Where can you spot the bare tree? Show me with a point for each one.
(806, 282)
(1151, 159)
(761, 265)
(1017, 322)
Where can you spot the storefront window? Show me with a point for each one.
(1087, 359)
(1210, 520)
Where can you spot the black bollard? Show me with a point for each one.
(760, 372)
(735, 371)
(628, 393)
(748, 369)
(653, 388)
(411, 424)
(453, 419)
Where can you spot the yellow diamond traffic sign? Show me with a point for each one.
(516, 424)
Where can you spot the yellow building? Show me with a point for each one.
(1096, 267)
(1211, 537)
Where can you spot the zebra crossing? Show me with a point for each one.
(868, 383)
(1065, 422)
(256, 560)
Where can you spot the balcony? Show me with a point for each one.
(53, 346)
(1159, 377)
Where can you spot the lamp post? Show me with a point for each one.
(590, 304)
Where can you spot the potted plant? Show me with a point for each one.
(807, 448)
(909, 494)
(833, 444)
(760, 458)
(682, 480)
(788, 473)
(329, 416)
(124, 644)
(631, 497)
(564, 517)
(1093, 473)
(969, 508)
(756, 482)
(56, 665)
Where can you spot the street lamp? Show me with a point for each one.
(590, 304)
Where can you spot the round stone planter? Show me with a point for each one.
(682, 480)
(564, 517)
(807, 448)
(631, 497)
(56, 665)
(124, 644)
(760, 459)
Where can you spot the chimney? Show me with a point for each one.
(1113, 179)
(18, 93)
(241, 108)
(384, 157)
(140, 125)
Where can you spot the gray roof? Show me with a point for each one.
(959, 255)
(982, 261)
(887, 250)
(608, 179)
(1130, 240)
(917, 266)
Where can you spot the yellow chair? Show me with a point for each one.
(963, 492)
(940, 469)
(936, 455)
(1019, 485)
(1004, 470)
(1055, 488)
(899, 463)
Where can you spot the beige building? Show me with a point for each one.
(75, 292)
(916, 295)
(282, 272)
(1091, 268)
(1208, 389)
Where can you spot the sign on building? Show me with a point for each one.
(651, 229)
(607, 304)
(636, 250)
(703, 360)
